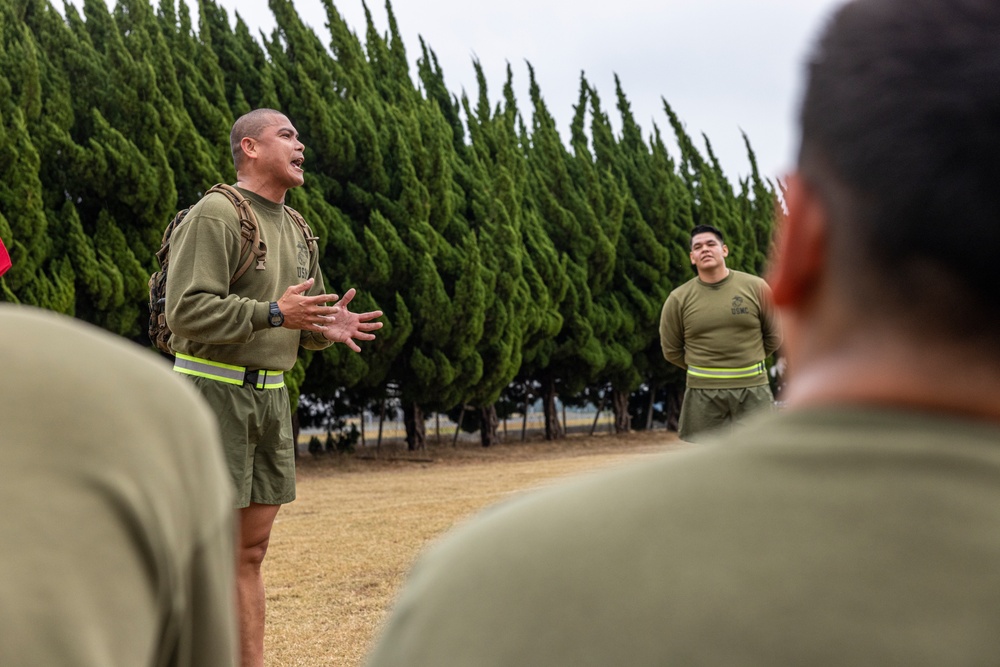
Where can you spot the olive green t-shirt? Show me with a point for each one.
(820, 537)
(720, 326)
(116, 522)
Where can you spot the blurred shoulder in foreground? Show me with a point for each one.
(117, 522)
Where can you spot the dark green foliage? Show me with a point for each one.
(512, 263)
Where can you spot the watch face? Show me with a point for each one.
(276, 318)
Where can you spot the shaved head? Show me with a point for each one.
(250, 125)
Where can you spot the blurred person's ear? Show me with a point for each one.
(800, 256)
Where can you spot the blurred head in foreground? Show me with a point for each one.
(859, 525)
(893, 211)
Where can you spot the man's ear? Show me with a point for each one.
(800, 255)
(249, 147)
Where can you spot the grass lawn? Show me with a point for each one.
(339, 553)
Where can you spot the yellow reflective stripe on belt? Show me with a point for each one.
(269, 379)
(213, 370)
(727, 373)
(227, 373)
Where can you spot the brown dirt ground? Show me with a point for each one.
(339, 553)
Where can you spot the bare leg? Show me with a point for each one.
(255, 524)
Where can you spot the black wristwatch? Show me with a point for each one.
(275, 318)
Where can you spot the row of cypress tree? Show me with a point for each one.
(512, 263)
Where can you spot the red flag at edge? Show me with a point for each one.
(4, 259)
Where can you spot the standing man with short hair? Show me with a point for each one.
(720, 327)
(235, 341)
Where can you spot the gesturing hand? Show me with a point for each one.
(346, 326)
(306, 312)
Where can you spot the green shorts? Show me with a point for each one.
(706, 410)
(256, 426)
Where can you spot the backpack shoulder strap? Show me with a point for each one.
(252, 248)
(304, 228)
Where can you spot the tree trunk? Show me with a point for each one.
(413, 419)
(381, 422)
(619, 403)
(553, 429)
(650, 407)
(524, 424)
(597, 415)
(675, 396)
(458, 426)
(488, 424)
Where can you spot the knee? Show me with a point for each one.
(251, 553)
(255, 524)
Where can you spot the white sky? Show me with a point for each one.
(723, 65)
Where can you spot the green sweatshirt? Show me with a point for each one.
(725, 325)
(229, 324)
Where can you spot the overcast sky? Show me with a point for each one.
(723, 65)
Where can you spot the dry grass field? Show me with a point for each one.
(339, 553)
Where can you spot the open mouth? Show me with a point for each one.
(297, 163)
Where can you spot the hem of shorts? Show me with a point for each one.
(284, 500)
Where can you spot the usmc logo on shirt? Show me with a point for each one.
(303, 260)
(738, 307)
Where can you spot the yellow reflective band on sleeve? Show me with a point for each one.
(727, 373)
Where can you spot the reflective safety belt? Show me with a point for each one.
(228, 373)
(727, 373)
